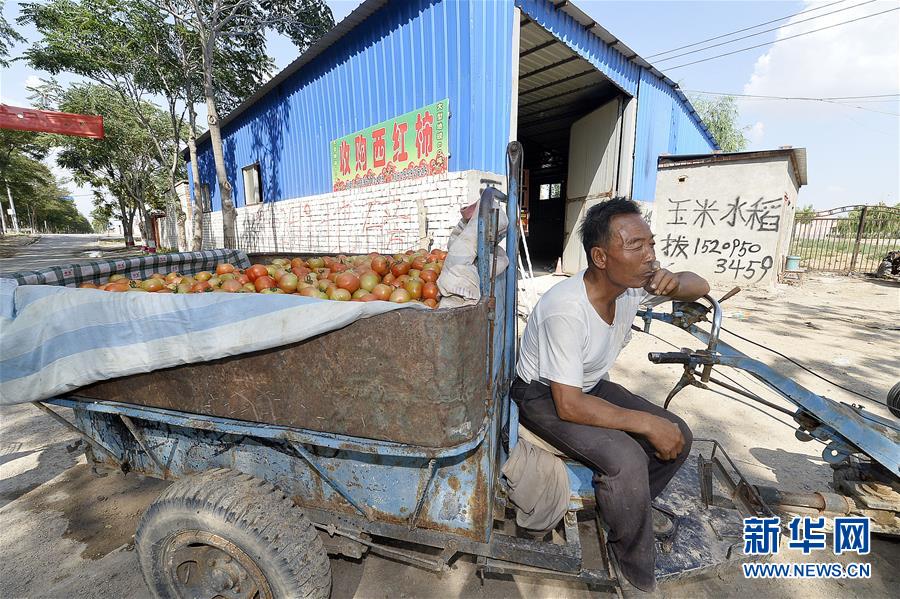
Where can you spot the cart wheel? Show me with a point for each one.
(230, 535)
(893, 400)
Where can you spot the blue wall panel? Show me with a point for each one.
(664, 126)
(404, 56)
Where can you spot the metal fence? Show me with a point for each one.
(846, 239)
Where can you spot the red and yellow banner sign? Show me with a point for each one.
(409, 146)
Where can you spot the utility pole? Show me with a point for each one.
(12, 207)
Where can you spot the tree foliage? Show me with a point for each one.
(805, 215)
(721, 118)
(185, 51)
(8, 38)
(124, 167)
(878, 223)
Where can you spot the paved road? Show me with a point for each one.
(51, 250)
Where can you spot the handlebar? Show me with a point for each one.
(669, 357)
(716, 324)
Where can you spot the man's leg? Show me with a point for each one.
(621, 478)
(660, 471)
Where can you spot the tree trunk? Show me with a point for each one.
(180, 216)
(127, 221)
(229, 214)
(197, 202)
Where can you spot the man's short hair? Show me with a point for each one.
(594, 228)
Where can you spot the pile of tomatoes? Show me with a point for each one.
(400, 278)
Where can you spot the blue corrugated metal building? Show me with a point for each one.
(510, 69)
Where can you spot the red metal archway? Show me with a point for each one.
(46, 121)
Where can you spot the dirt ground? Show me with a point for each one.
(65, 532)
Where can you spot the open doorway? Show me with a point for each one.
(570, 125)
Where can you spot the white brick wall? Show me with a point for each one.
(381, 218)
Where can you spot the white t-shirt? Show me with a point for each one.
(566, 341)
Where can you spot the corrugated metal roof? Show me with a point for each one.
(578, 73)
(798, 159)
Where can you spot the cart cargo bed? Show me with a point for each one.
(408, 376)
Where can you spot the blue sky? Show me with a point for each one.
(853, 146)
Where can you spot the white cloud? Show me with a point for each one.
(850, 145)
(756, 133)
(854, 59)
(32, 81)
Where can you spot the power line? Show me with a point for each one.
(744, 29)
(838, 100)
(687, 64)
(696, 91)
(737, 39)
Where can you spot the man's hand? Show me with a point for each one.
(663, 282)
(666, 437)
(685, 286)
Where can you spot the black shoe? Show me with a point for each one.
(663, 526)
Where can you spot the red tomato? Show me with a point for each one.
(231, 286)
(288, 282)
(430, 291)
(382, 292)
(348, 281)
(400, 296)
(264, 282)
(256, 271)
(400, 268)
(380, 265)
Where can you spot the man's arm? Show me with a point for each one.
(574, 405)
(685, 286)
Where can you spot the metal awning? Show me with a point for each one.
(556, 88)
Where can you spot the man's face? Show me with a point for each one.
(628, 259)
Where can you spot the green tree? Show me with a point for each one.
(721, 117)
(108, 42)
(805, 215)
(138, 49)
(125, 162)
(226, 26)
(8, 38)
(101, 216)
(20, 169)
(880, 223)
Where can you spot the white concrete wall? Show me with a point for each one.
(745, 246)
(382, 218)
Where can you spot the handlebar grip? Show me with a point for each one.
(670, 357)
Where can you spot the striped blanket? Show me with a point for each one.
(54, 339)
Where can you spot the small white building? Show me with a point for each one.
(728, 216)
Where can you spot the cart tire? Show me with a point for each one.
(224, 533)
(893, 400)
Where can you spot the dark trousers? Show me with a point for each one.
(627, 476)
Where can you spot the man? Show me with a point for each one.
(572, 338)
